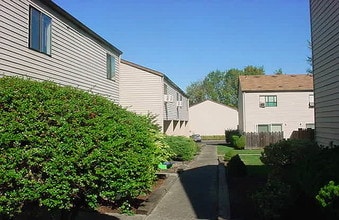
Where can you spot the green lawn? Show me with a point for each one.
(251, 159)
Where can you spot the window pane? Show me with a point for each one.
(46, 34)
(271, 101)
(276, 127)
(108, 63)
(34, 38)
(110, 66)
(262, 128)
(310, 125)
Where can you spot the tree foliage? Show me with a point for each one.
(220, 86)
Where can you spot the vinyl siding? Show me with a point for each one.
(76, 58)
(171, 110)
(292, 111)
(211, 118)
(141, 91)
(325, 51)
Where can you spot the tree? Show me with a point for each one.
(309, 59)
(220, 86)
(278, 72)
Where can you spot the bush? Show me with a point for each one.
(229, 133)
(62, 148)
(183, 148)
(238, 142)
(236, 167)
(273, 200)
(286, 152)
(229, 154)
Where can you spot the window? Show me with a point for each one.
(310, 125)
(276, 127)
(165, 89)
(110, 60)
(267, 101)
(311, 101)
(40, 31)
(263, 128)
(270, 128)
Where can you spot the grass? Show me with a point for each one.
(241, 188)
(251, 159)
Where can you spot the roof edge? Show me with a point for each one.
(79, 24)
(142, 67)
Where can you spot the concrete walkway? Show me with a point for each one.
(194, 194)
(199, 192)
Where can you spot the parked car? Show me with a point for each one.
(196, 137)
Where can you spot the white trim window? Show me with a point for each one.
(267, 101)
(311, 101)
(40, 31)
(269, 127)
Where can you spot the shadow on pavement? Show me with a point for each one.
(200, 185)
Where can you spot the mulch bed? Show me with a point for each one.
(135, 203)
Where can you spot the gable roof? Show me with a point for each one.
(268, 83)
(214, 102)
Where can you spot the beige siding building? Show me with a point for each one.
(325, 50)
(212, 118)
(146, 91)
(41, 41)
(271, 103)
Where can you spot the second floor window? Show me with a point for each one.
(40, 31)
(110, 61)
(267, 101)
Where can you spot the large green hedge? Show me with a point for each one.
(61, 147)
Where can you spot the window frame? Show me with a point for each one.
(110, 68)
(264, 101)
(311, 100)
(270, 127)
(41, 41)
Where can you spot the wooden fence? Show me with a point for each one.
(262, 139)
(304, 134)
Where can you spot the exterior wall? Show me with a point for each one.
(175, 117)
(241, 116)
(76, 58)
(325, 49)
(141, 91)
(292, 111)
(211, 118)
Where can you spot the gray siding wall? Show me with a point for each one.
(76, 59)
(325, 50)
(171, 110)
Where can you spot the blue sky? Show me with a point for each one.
(187, 39)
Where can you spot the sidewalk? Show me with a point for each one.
(199, 192)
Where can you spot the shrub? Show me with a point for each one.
(236, 167)
(62, 148)
(183, 148)
(229, 154)
(238, 142)
(229, 133)
(328, 198)
(286, 152)
(273, 200)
